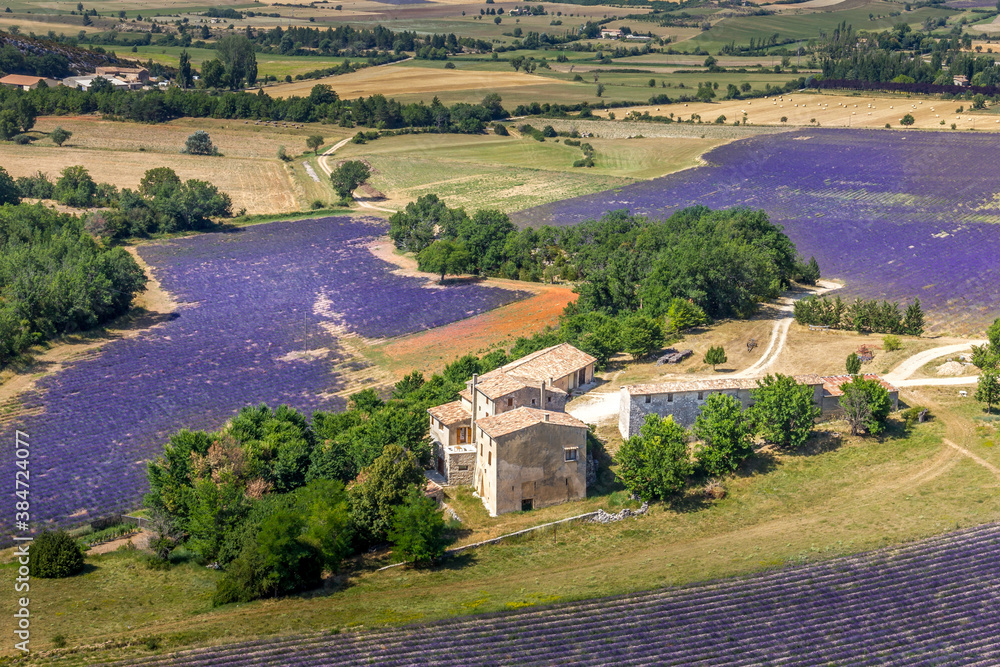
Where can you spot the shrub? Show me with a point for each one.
(37, 187)
(59, 136)
(9, 191)
(500, 130)
(75, 187)
(866, 405)
(891, 343)
(715, 356)
(725, 433)
(55, 555)
(283, 154)
(655, 463)
(21, 139)
(853, 364)
(200, 143)
(59, 641)
(912, 414)
(418, 528)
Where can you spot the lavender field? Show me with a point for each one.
(895, 214)
(262, 310)
(930, 603)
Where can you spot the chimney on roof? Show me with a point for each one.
(475, 399)
(541, 404)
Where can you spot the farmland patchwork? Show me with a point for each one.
(262, 311)
(896, 215)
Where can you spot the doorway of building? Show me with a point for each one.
(527, 504)
(441, 465)
(581, 378)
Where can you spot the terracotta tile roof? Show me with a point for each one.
(720, 384)
(832, 384)
(508, 422)
(21, 80)
(450, 413)
(499, 385)
(552, 362)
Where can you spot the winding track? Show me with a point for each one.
(325, 166)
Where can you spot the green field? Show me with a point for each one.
(268, 64)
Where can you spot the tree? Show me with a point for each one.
(988, 388)
(600, 90)
(380, 489)
(75, 187)
(853, 363)
(185, 76)
(348, 177)
(213, 73)
(684, 314)
(983, 357)
(418, 527)
(640, 335)
(993, 335)
(200, 143)
(236, 53)
(725, 433)
(913, 321)
(59, 136)
(656, 463)
(55, 555)
(715, 356)
(326, 509)
(783, 411)
(907, 120)
(413, 228)
(313, 142)
(866, 405)
(444, 257)
(9, 192)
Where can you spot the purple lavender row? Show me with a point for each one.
(963, 632)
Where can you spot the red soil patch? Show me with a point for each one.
(430, 351)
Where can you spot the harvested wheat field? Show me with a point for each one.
(258, 186)
(829, 111)
(233, 138)
(396, 80)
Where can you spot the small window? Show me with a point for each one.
(548, 398)
(649, 398)
(463, 467)
(571, 453)
(510, 402)
(701, 396)
(489, 458)
(532, 401)
(670, 398)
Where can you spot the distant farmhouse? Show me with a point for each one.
(27, 82)
(609, 33)
(509, 436)
(120, 78)
(684, 400)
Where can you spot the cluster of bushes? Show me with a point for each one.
(163, 203)
(665, 457)
(276, 499)
(55, 278)
(861, 315)
(725, 262)
(987, 359)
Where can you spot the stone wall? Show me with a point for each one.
(455, 461)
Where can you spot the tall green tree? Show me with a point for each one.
(725, 432)
(783, 411)
(382, 487)
(853, 363)
(656, 463)
(236, 53)
(640, 335)
(418, 528)
(445, 257)
(348, 177)
(866, 405)
(913, 321)
(9, 192)
(988, 388)
(313, 142)
(185, 76)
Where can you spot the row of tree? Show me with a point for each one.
(861, 315)
(725, 262)
(665, 457)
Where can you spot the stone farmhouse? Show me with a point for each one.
(683, 400)
(27, 82)
(509, 437)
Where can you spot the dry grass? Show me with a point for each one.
(234, 138)
(393, 81)
(256, 185)
(828, 111)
